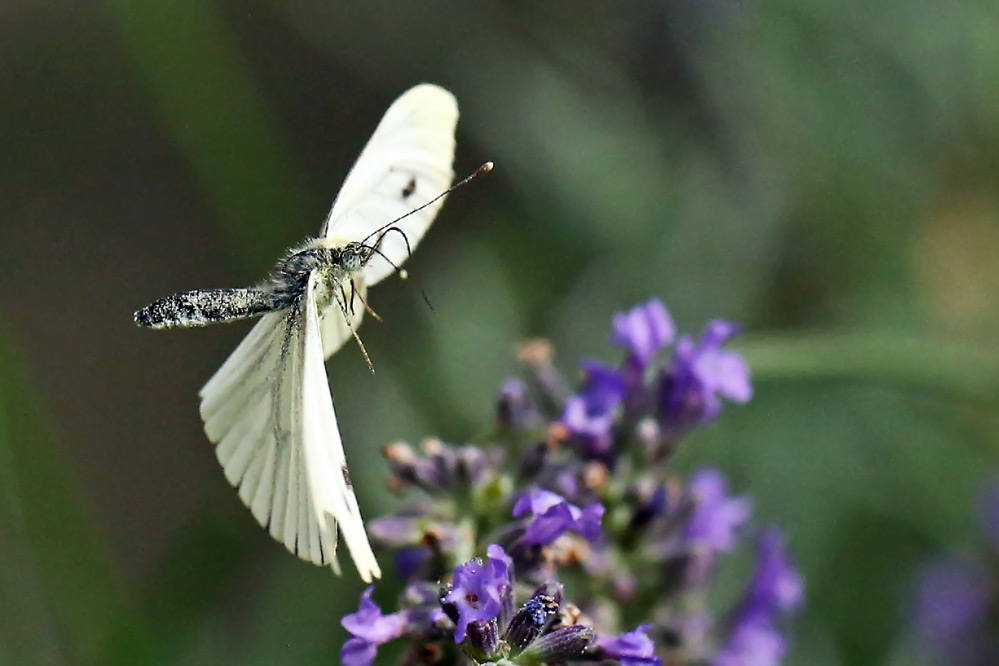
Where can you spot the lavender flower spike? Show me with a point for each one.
(643, 330)
(715, 521)
(989, 514)
(369, 629)
(538, 483)
(478, 591)
(777, 587)
(589, 414)
(553, 516)
(752, 643)
(953, 600)
(692, 387)
(631, 649)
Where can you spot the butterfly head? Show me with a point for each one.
(348, 258)
(344, 259)
(351, 257)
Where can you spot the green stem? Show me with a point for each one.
(940, 367)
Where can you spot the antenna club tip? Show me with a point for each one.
(486, 168)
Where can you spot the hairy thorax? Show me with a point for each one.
(336, 263)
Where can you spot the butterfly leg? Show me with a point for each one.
(344, 299)
(342, 302)
(354, 291)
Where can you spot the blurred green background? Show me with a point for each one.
(823, 171)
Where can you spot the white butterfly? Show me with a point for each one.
(268, 409)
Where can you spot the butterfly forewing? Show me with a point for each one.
(406, 163)
(269, 412)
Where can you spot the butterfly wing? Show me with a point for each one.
(269, 412)
(333, 498)
(406, 163)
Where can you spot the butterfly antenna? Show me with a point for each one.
(481, 171)
(426, 299)
(405, 239)
(374, 250)
(402, 272)
(384, 230)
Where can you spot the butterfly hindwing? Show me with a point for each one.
(269, 411)
(332, 492)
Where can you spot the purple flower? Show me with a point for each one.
(553, 516)
(953, 601)
(643, 331)
(691, 387)
(395, 530)
(358, 652)
(631, 649)
(410, 561)
(589, 415)
(514, 408)
(958, 598)
(369, 629)
(777, 586)
(478, 591)
(717, 517)
(989, 514)
(752, 642)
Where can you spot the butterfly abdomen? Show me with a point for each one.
(202, 307)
